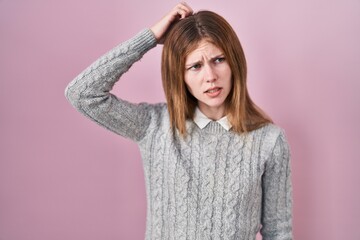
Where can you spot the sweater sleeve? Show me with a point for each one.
(90, 93)
(276, 216)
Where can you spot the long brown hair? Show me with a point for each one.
(183, 37)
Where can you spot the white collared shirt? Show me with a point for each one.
(201, 120)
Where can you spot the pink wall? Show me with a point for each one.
(63, 177)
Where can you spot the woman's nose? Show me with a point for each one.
(210, 75)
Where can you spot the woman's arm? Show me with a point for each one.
(90, 93)
(277, 194)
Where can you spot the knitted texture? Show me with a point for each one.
(213, 184)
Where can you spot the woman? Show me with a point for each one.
(215, 165)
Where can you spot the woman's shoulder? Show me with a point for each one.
(157, 113)
(155, 109)
(271, 135)
(274, 129)
(269, 129)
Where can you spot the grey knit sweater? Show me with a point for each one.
(214, 184)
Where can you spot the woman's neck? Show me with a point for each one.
(213, 113)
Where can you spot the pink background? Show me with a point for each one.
(64, 177)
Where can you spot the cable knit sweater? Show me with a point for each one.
(213, 184)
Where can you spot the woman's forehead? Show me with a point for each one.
(204, 47)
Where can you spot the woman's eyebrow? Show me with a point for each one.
(218, 56)
(193, 63)
(200, 61)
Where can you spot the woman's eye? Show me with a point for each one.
(219, 59)
(195, 66)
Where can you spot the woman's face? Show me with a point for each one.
(208, 78)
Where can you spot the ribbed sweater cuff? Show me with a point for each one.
(143, 41)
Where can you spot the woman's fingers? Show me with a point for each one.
(184, 10)
(180, 11)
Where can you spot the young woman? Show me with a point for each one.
(215, 165)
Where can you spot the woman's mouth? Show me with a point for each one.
(213, 92)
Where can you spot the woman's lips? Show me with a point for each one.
(213, 92)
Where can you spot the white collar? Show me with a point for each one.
(201, 120)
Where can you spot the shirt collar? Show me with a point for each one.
(201, 120)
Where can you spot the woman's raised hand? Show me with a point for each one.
(180, 11)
